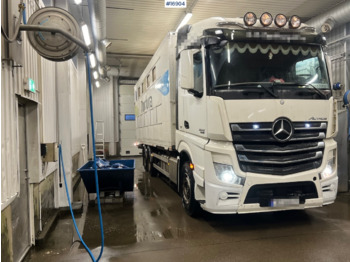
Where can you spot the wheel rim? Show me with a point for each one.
(186, 189)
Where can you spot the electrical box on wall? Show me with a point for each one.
(49, 152)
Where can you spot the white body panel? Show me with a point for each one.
(155, 106)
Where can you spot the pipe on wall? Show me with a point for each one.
(334, 17)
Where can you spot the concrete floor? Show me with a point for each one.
(151, 225)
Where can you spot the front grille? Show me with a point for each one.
(258, 151)
(263, 194)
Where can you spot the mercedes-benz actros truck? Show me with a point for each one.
(239, 114)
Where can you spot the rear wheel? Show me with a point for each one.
(188, 201)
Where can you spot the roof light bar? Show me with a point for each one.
(249, 19)
(266, 19)
(294, 21)
(280, 20)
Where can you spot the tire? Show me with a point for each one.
(189, 203)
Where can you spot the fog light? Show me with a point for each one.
(280, 20)
(294, 21)
(226, 174)
(223, 195)
(249, 19)
(266, 19)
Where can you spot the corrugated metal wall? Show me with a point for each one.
(75, 108)
(13, 74)
(104, 108)
(48, 91)
(339, 53)
(9, 149)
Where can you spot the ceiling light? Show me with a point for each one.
(92, 60)
(77, 2)
(97, 84)
(95, 74)
(86, 34)
(184, 21)
(106, 43)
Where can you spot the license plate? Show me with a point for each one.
(284, 202)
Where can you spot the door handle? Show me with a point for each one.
(187, 125)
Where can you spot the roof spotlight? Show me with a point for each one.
(249, 19)
(266, 19)
(294, 21)
(280, 20)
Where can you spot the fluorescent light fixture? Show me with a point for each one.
(86, 34)
(95, 74)
(78, 2)
(228, 54)
(184, 21)
(92, 60)
(97, 84)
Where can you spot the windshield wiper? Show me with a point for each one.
(314, 88)
(255, 84)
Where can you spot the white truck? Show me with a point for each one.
(238, 113)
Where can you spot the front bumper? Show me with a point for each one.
(235, 202)
(311, 190)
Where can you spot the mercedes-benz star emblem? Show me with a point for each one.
(282, 129)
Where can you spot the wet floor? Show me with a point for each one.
(151, 225)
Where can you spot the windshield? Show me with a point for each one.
(253, 70)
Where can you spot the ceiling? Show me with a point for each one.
(136, 27)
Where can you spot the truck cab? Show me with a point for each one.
(255, 117)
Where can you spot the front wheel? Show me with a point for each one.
(188, 201)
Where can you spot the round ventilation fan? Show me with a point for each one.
(54, 46)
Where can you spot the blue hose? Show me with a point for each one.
(70, 206)
(96, 176)
(24, 14)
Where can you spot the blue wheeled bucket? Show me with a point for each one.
(109, 178)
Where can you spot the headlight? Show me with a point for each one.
(226, 174)
(280, 20)
(249, 19)
(294, 21)
(266, 19)
(330, 167)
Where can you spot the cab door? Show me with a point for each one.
(192, 98)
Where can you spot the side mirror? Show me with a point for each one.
(186, 70)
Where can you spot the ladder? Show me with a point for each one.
(100, 139)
